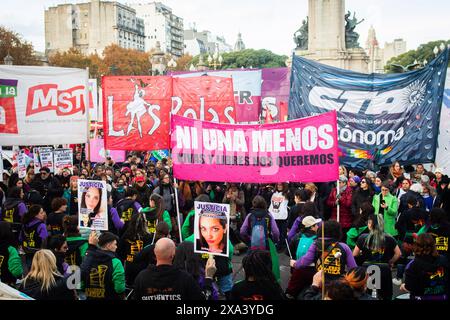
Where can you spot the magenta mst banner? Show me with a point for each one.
(303, 150)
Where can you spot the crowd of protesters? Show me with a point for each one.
(396, 219)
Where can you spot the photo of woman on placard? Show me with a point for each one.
(213, 228)
(91, 206)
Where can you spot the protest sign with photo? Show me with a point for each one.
(93, 205)
(211, 228)
(43, 157)
(63, 159)
(21, 164)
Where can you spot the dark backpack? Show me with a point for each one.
(259, 239)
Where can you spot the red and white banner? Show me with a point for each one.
(247, 90)
(205, 98)
(303, 150)
(43, 105)
(136, 112)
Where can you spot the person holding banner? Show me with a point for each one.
(343, 199)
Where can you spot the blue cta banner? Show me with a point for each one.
(382, 118)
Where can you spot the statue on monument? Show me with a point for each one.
(351, 37)
(301, 36)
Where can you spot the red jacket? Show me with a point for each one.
(345, 205)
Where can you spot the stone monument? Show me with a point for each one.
(331, 37)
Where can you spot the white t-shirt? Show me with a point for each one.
(279, 206)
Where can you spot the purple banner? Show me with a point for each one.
(275, 93)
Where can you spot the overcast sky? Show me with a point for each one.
(267, 24)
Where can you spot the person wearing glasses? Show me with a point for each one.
(362, 194)
(387, 205)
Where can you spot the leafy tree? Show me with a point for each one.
(424, 52)
(21, 51)
(121, 61)
(72, 58)
(184, 62)
(248, 58)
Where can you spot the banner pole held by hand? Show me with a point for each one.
(289, 250)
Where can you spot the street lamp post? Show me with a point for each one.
(8, 60)
(216, 59)
(172, 64)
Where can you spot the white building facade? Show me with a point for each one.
(92, 26)
(163, 26)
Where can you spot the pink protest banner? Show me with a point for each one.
(98, 153)
(302, 150)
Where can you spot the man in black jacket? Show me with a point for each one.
(102, 273)
(164, 281)
(48, 186)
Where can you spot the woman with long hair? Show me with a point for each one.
(156, 212)
(380, 249)
(166, 190)
(33, 235)
(71, 195)
(363, 193)
(259, 282)
(44, 282)
(395, 171)
(134, 239)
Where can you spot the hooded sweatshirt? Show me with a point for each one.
(33, 234)
(10, 264)
(102, 274)
(426, 278)
(166, 283)
(150, 215)
(13, 210)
